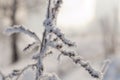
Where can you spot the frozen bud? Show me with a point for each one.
(59, 46)
(47, 22)
(55, 39)
(86, 65)
(16, 70)
(51, 30)
(70, 54)
(14, 73)
(77, 61)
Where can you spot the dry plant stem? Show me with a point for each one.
(21, 29)
(85, 64)
(52, 17)
(39, 62)
(50, 24)
(14, 37)
(44, 42)
(105, 67)
(32, 65)
(43, 47)
(17, 73)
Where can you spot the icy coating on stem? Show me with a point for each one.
(47, 43)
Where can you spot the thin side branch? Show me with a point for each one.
(105, 66)
(18, 73)
(32, 65)
(21, 29)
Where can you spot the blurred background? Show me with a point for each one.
(92, 24)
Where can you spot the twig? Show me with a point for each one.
(21, 29)
(79, 60)
(18, 73)
(32, 65)
(105, 67)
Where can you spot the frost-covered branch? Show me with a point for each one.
(59, 42)
(77, 59)
(21, 29)
(85, 64)
(17, 73)
(50, 26)
(50, 21)
(61, 36)
(32, 65)
(31, 46)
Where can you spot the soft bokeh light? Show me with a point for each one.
(76, 13)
